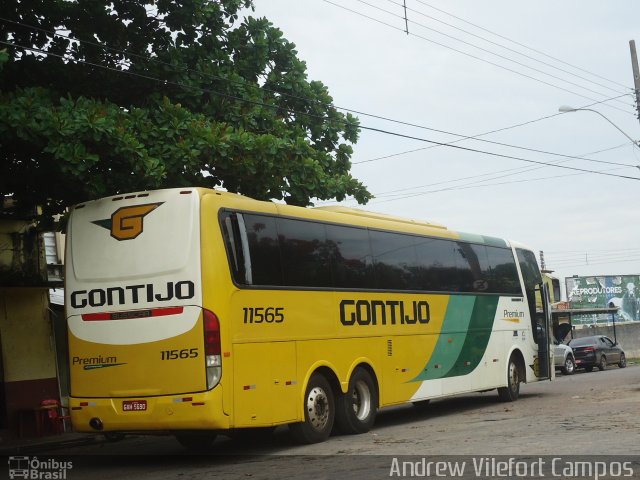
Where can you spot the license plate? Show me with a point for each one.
(134, 405)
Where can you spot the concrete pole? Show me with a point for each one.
(636, 74)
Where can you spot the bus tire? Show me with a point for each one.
(199, 441)
(511, 392)
(319, 412)
(356, 410)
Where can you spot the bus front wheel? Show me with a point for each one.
(319, 412)
(511, 392)
(356, 410)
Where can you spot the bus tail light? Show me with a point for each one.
(212, 348)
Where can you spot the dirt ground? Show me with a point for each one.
(582, 414)
(590, 414)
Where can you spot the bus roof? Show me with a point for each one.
(380, 216)
(362, 218)
(337, 214)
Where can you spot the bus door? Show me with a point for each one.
(543, 320)
(537, 294)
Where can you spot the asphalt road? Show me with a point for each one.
(593, 414)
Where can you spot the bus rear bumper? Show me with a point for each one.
(193, 411)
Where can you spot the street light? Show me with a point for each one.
(567, 109)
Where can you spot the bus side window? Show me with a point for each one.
(394, 260)
(437, 265)
(504, 274)
(264, 247)
(475, 271)
(352, 262)
(235, 251)
(532, 278)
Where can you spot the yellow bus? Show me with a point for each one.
(194, 312)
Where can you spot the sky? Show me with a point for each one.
(468, 68)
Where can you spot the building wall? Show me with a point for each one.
(28, 350)
(22, 261)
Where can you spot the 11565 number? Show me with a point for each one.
(263, 315)
(179, 354)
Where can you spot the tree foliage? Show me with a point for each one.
(99, 98)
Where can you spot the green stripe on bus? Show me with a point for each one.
(477, 339)
(452, 338)
(491, 241)
(494, 241)
(471, 237)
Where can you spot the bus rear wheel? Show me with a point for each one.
(511, 392)
(356, 410)
(319, 412)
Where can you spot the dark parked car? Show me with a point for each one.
(597, 351)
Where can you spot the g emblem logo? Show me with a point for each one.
(126, 222)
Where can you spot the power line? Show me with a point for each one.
(516, 171)
(507, 48)
(604, 255)
(463, 137)
(494, 154)
(521, 44)
(486, 50)
(587, 263)
(160, 62)
(582, 252)
(478, 184)
(378, 130)
(468, 186)
(167, 82)
(594, 257)
(471, 55)
(478, 135)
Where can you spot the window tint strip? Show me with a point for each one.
(287, 252)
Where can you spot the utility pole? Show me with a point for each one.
(636, 74)
(406, 20)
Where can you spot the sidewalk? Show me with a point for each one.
(49, 443)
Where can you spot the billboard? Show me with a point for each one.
(622, 291)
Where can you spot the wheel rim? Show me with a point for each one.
(623, 359)
(361, 400)
(513, 377)
(603, 363)
(318, 408)
(568, 365)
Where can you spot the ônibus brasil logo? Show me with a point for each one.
(126, 222)
(32, 468)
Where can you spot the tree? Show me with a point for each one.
(99, 98)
